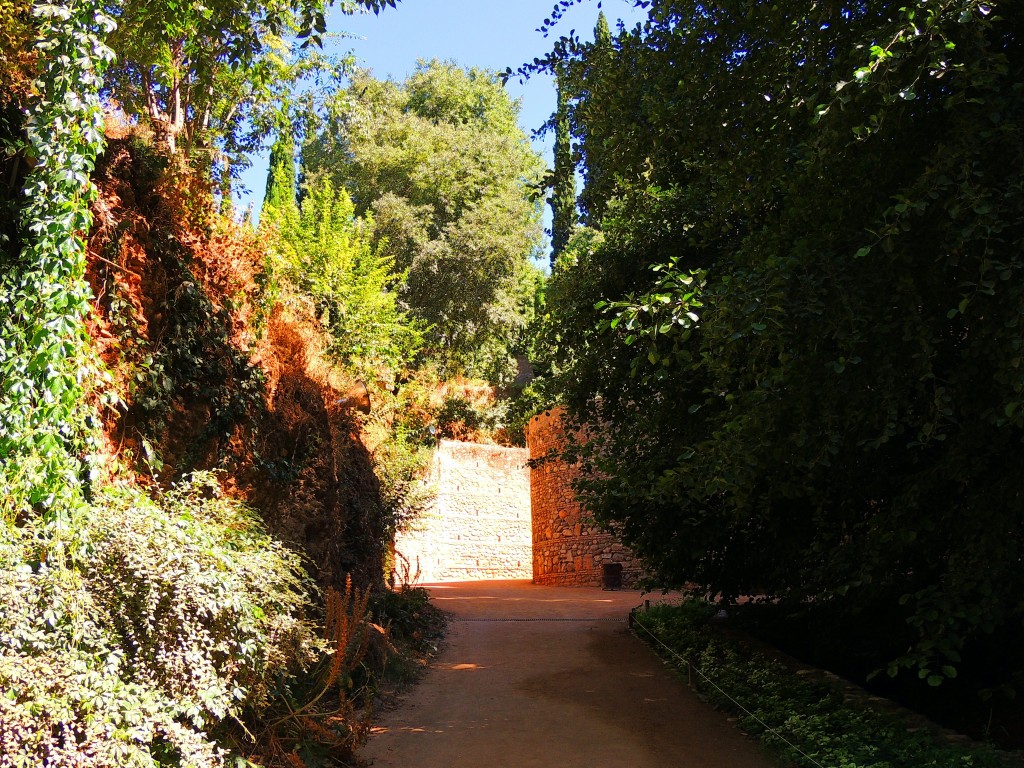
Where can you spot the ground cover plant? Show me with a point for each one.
(135, 626)
(975, 702)
(807, 722)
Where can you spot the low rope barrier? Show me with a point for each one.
(692, 668)
(576, 620)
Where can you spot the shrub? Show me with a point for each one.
(808, 722)
(135, 628)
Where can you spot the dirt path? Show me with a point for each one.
(550, 676)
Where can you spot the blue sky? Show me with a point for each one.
(493, 34)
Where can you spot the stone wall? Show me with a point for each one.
(568, 548)
(479, 526)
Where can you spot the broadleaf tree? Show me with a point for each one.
(441, 163)
(202, 75)
(800, 330)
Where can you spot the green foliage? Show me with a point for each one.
(17, 33)
(409, 617)
(45, 366)
(563, 179)
(660, 322)
(523, 406)
(457, 418)
(136, 630)
(198, 71)
(802, 333)
(281, 176)
(560, 333)
(129, 634)
(810, 714)
(400, 463)
(324, 257)
(445, 171)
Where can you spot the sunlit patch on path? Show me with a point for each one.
(541, 676)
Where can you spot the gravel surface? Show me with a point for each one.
(551, 676)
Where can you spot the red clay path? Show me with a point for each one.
(550, 676)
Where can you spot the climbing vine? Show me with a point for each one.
(45, 362)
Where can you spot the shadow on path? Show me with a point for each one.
(550, 676)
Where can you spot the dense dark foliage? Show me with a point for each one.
(562, 180)
(807, 718)
(801, 329)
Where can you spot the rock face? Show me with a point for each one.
(479, 526)
(569, 549)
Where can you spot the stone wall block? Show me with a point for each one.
(567, 549)
(479, 526)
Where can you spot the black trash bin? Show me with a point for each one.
(611, 576)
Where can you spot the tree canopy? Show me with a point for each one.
(442, 165)
(801, 327)
(199, 73)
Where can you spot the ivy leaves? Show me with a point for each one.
(45, 362)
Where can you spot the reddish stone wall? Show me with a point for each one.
(479, 526)
(568, 547)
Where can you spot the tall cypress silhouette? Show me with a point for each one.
(281, 174)
(592, 197)
(563, 184)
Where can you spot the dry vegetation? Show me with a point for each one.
(213, 375)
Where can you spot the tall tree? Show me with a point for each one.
(446, 171)
(806, 359)
(281, 176)
(597, 64)
(563, 184)
(602, 33)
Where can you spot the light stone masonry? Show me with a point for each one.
(479, 527)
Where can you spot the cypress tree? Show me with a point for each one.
(563, 185)
(602, 34)
(593, 196)
(281, 174)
